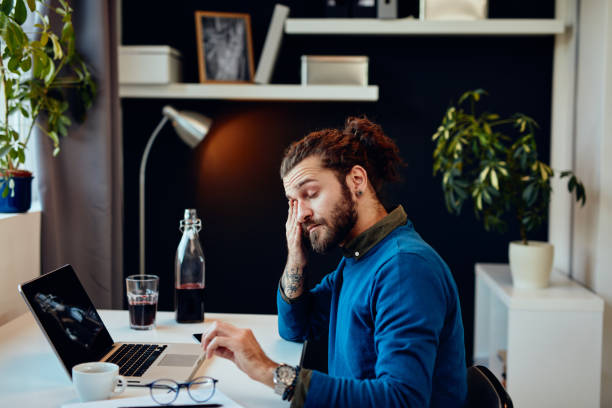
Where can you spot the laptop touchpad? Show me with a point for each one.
(178, 360)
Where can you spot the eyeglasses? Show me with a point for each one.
(165, 392)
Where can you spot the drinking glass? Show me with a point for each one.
(142, 293)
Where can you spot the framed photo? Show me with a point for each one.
(225, 51)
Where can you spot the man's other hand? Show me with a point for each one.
(241, 347)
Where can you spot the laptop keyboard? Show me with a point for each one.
(134, 359)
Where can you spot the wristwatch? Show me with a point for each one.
(284, 377)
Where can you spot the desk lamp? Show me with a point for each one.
(191, 127)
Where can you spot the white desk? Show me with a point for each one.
(32, 376)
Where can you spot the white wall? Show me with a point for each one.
(592, 225)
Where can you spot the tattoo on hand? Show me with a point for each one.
(293, 281)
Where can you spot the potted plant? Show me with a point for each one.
(40, 74)
(493, 162)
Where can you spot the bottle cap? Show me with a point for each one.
(190, 214)
(190, 219)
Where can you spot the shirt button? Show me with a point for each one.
(356, 253)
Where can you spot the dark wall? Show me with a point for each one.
(232, 177)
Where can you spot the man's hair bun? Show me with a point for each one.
(361, 142)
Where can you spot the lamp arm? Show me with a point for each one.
(143, 166)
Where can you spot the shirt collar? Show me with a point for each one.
(362, 243)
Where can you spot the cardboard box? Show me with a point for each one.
(149, 64)
(334, 70)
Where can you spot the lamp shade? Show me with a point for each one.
(191, 127)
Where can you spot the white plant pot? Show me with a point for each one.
(530, 264)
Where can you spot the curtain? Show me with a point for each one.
(81, 189)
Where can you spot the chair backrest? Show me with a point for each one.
(484, 390)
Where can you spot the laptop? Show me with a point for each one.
(71, 323)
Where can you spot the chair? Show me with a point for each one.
(484, 390)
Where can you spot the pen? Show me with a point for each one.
(182, 406)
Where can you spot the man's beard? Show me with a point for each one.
(333, 231)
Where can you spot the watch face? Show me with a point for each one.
(286, 374)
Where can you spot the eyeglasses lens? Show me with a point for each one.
(201, 389)
(164, 391)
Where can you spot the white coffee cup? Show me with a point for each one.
(97, 380)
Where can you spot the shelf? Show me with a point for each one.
(411, 26)
(34, 208)
(562, 294)
(252, 92)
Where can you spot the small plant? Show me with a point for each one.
(494, 162)
(39, 74)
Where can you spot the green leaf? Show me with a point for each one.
(32, 5)
(484, 173)
(7, 6)
(528, 192)
(39, 65)
(494, 181)
(50, 72)
(487, 196)
(21, 13)
(12, 41)
(26, 64)
(57, 48)
(4, 150)
(54, 137)
(65, 120)
(13, 64)
(479, 202)
(24, 112)
(67, 31)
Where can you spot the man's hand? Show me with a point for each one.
(293, 276)
(293, 228)
(241, 347)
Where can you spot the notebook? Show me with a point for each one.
(69, 320)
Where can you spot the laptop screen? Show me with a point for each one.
(66, 314)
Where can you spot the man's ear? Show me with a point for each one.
(357, 180)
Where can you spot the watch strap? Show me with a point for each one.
(290, 390)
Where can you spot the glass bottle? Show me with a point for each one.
(189, 268)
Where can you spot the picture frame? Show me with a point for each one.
(225, 49)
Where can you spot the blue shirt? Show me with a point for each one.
(395, 329)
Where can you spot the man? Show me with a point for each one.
(391, 306)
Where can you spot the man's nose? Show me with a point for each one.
(304, 212)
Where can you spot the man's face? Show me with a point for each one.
(326, 210)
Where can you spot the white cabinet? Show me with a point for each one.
(19, 258)
(552, 338)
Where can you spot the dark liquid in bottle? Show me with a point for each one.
(190, 303)
(142, 313)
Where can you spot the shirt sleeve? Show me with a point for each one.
(306, 316)
(408, 309)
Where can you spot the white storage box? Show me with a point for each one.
(149, 64)
(334, 70)
(453, 9)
